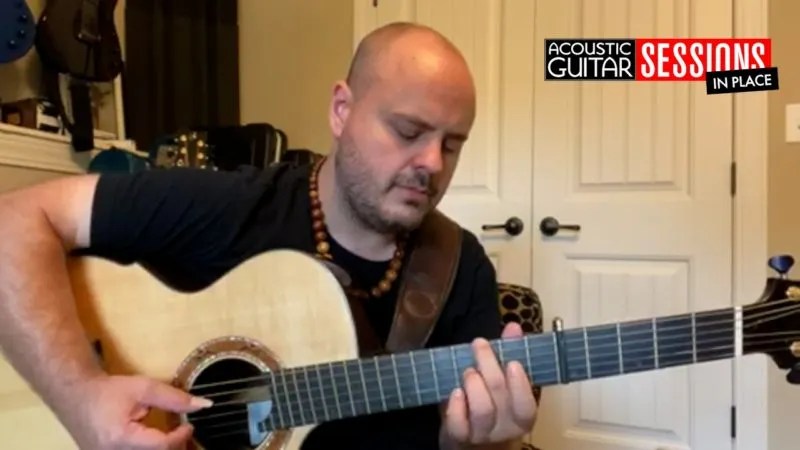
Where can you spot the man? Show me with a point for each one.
(399, 122)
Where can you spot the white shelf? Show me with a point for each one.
(35, 149)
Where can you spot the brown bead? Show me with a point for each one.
(376, 292)
(315, 203)
(385, 285)
(319, 225)
(395, 264)
(316, 213)
(391, 275)
(320, 235)
(323, 247)
(314, 194)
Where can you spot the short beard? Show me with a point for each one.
(361, 193)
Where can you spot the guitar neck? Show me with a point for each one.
(312, 394)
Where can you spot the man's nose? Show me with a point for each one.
(430, 157)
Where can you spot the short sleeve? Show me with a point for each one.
(176, 220)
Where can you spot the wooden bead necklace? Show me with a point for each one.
(323, 247)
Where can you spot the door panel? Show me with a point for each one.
(492, 181)
(643, 168)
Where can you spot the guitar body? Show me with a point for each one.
(285, 303)
(79, 38)
(17, 30)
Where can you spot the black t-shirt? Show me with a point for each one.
(189, 227)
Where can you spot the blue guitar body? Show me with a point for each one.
(17, 30)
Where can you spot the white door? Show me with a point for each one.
(492, 182)
(644, 169)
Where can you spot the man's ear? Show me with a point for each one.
(341, 103)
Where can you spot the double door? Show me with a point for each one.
(642, 169)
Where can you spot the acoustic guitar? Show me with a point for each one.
(273, 344)
(17, 30)
(77, 42)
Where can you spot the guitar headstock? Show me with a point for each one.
(17, 30)
(188, 149)
(771, 325)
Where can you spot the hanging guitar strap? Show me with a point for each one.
(425, 286)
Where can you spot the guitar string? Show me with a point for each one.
(762, 334)
(244, 423)
(535, 345)
(546, 345)
(369, 372)
(301, 402)
(546, 374)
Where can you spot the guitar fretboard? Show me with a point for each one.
(317, 393)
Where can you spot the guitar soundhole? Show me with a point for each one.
(225, 425)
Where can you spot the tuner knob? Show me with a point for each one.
(781, 264)
(23, 18)
(21, 33)
(12, 44)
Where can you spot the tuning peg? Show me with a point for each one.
(781, 264)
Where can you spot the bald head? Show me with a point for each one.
(402, 48)
(399, 122)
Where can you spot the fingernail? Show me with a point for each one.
(200, 402)
(458, 392)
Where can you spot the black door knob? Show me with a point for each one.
(513, 226)
(549, 226)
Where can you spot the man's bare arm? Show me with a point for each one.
(40, 333)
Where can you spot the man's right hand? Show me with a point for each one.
(110, 408)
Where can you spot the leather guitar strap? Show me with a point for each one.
(426, 283)
(424, 289)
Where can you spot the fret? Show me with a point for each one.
(603, 349)
(381, 393)
(557, 363)
(397, 381)
(576, 355)
(586, 350)
(304, 387)
(291, 406)
(619, 350)
(674, 341)
(655, 342)
(385, 376)
(301, 406)
(417, 385)
(637, 346)
(694, 340)
(333, 386)
(322, 393)
(449, 365)
(542, 350)
(513, 350)
(528, 362)
(716, 335)
(279, 405)
(341, 380)
(367, 397)
(434, 374)
(426, 382)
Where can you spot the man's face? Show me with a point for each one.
(399, 142)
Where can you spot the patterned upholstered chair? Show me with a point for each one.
(521, 304)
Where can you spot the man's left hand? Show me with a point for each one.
(494, 405)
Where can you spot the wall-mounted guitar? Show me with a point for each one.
(17, 30)
(77, 40)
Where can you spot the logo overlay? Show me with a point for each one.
(726, 65)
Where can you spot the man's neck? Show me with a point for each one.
(342, 224)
